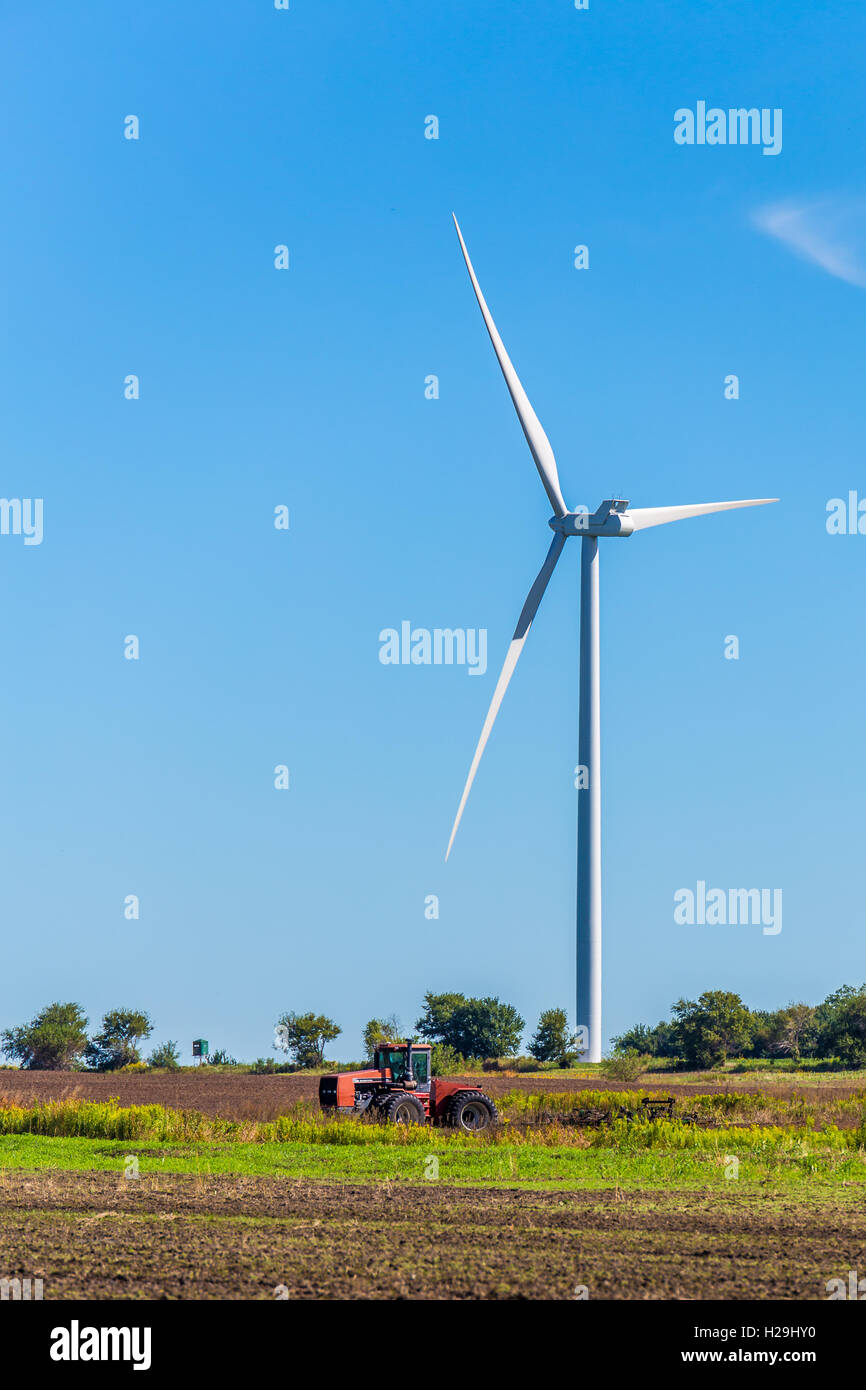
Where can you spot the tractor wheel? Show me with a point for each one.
(471, 1111)
(403, 1110)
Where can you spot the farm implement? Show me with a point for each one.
(647, 1109)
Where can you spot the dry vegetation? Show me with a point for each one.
(242, 1096)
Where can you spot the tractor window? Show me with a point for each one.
(395, 1061)
(420, 1064)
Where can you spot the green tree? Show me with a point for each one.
(303, 1037)
(796, 1033)
(473, 1027)
(444, 1061)
(660, 1041)
(435, 1021)
(553, 1041)
(54, 1040)
(712, 1029)
(115, 1045)
(166, 1055)
(488, 1028)
(380, 1030)
(665, 1040)
(841, 1022)
(766, 1032)
(638, 1039)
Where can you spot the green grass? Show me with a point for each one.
(802, 1165)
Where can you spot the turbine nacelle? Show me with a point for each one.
(610, 519)
(613, 517)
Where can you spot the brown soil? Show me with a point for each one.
(242, 1097)
(182, 1237)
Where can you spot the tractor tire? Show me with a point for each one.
(471, 1111)
(403, 1109)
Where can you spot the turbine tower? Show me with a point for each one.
(613, 518)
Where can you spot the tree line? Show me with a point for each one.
(460, 1028)
(56, 1040)
(707, 1031)
(701, 1033)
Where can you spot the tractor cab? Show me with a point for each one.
(407, 1063)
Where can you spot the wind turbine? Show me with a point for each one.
(613, 518)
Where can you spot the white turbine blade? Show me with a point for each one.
(521, 632)
(643, 517)
(537, 440)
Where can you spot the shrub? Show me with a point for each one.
(220, 1058)
(444, 1061)
(628, 1066)
(166, 1056)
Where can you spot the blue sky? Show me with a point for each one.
(305, 387)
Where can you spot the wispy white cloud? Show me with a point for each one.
(830, 232)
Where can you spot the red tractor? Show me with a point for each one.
(398, 1087)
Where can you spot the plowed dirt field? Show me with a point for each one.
(95, 1236)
